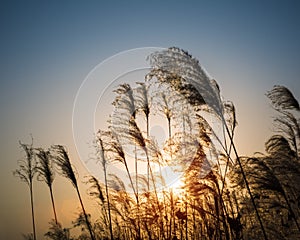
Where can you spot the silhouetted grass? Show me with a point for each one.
(222, 195)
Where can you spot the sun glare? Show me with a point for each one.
(177, 187)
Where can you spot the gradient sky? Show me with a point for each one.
(48, 47)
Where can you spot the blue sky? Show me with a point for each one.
(48, 47)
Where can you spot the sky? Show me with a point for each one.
(47, 48)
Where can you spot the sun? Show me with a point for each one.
(177, 187)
